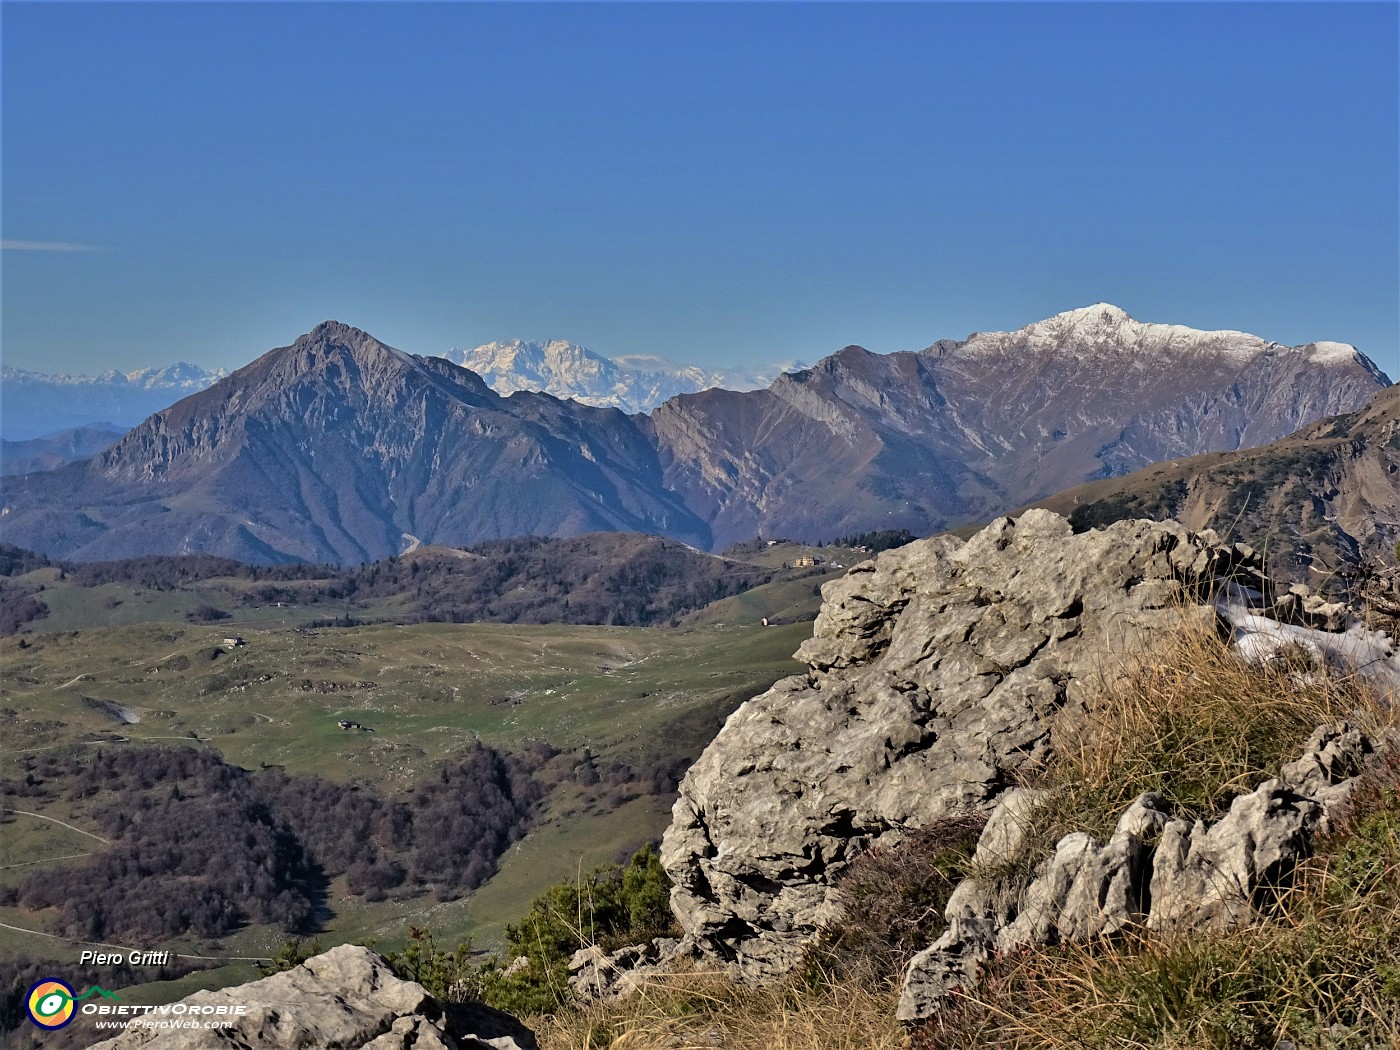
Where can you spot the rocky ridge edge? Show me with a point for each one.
(934, 673)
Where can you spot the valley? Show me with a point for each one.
(605, 717)
(631, 705)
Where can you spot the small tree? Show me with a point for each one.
(293, 953)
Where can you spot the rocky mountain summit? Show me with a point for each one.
(940, 671)
(347, 998)
(925, 441)
(340, 448)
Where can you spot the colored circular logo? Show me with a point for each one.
(50, 1004)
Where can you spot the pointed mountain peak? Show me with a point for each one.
(336, 332)
(328, 337)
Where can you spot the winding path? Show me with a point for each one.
(55, 820)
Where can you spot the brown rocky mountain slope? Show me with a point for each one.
(340, 448)
(1318, 502)
(953, 433)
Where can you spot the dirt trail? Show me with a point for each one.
(55, 820)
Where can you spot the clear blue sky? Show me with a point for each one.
(711, 182)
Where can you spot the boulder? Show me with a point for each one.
(936, 672)
(346, 999)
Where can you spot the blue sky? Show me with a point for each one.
(716, 183)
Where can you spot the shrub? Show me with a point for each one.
(892, 900)
(448, 976)
(612, 906)
(206, 614)
(293, 953)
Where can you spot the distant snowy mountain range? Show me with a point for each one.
(36, 404)
(633, 383)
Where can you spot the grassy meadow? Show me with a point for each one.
(423, 694)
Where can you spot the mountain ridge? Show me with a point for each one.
(341, 448)
(1320, 501)
(37, 404)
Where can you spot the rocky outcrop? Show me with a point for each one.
(1153, 872)
(936, 672)
(346, 998)
(596, 974)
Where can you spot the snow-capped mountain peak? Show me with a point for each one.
(632, 383)
(1103, 329)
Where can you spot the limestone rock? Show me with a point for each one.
(596, 974)
(1214, 877)
(345, 998)
(1153, 872)
(1005, 832)
(936, 672)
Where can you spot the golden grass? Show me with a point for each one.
(1196, 724)
(698, 1009)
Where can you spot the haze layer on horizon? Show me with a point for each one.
(711, 183)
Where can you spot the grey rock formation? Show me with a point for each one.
(346, 998)
(596, 974)
(1153, 872)
(936, 672)
(1210, 876)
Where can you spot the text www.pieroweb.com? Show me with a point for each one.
(172, 1017)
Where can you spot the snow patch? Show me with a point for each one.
(1328, 353)
(1369, 653)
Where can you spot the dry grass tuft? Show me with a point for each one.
(696, 1009)
(1194, 723)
